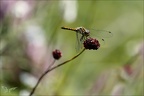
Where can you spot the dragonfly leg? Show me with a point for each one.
(82, 37)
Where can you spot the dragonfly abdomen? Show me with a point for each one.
(67, 28)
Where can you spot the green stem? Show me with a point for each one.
(56, 66)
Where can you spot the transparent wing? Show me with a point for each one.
(101, 33)
(78, 42)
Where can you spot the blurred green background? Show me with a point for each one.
(31, 30)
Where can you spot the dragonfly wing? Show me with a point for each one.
(101, 33)
(78, 42)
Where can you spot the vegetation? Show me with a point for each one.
(31, 30)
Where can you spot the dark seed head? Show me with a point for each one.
(57, 54)
(91, 43)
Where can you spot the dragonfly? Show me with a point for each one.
(82, 34)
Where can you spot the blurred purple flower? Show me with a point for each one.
(128, 69)
(36, 47)
(20, 9)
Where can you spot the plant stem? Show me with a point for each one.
(56, 66)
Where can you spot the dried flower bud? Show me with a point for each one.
(56, 54)
(91, 43)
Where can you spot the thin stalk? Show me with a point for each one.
(56, 66)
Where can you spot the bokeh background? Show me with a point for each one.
(31, 29)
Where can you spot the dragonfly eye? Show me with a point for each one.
(87, 33)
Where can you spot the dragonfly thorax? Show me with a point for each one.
(83, 31)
